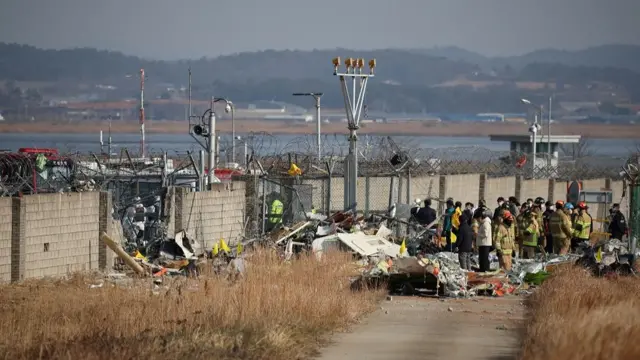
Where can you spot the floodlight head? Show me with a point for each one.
(227, 107)
(336, 64)
(360, 63)
(372, 66)
(349, 63)
(201, 130)
(525, 101)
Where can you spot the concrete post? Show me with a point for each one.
(18, 229)
(104, 225)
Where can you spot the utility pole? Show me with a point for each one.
(208, 132)
(212, 144)
(142, 152)
(549, 131)
(316, 96)
(353, 107)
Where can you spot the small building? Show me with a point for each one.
(523, 144)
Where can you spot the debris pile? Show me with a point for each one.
(410, 265)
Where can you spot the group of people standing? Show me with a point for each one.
(514, 229)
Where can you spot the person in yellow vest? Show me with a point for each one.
(503, 240)
(581, 226)
(275, 213)
(560, 229)
(455, 225)
(530, 231)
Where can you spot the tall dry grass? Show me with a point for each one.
(277, 311)
(576, 316)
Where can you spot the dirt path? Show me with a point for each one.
(423, 328)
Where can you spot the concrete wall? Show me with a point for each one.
(55, 234)
(5, 239)
(463, 188)
(60, 233)
(531, 189)
(497, 187)
(212, 215)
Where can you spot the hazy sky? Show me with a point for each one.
(171, 29)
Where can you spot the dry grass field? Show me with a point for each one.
(278, 311)
(576, 316)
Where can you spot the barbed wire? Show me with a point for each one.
(382, 156)
(265, 153)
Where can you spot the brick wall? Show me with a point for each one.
(212, 215)
(5, 240)
(60, 233)
(53, 234)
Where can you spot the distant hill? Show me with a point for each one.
(405, 79)
(617, 56)
(27, 63)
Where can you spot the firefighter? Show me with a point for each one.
(503, 240)
(539, 216)
(549, 210)
(530, 231)
(519, 226)
(582, 226)
(560, 228)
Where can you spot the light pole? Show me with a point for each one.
(316, 96)
(534, 128)
(208, 132)
(549, 130)
(353, 111)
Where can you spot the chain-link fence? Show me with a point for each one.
(392, 173)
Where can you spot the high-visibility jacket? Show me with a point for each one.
(582, 227)
(560, 225)
(275, 215)
(503, 240)
(530, 231)
(455, 219)
(540, 219)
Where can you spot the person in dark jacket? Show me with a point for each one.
(498, 210)
(618, 225)
(465, 242)
(426, 215)
(546, 216)
(446, 226)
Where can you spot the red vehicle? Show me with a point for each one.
(34, 170)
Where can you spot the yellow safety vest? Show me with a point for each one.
(275, 216)
(582, 227)
(530, 232)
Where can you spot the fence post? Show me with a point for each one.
(367, 195)
(518, 189)
(399, 195)
(104, 225)
(408, 186)
(482, 184)
(329, 181)
(442, 196)
(18, 229)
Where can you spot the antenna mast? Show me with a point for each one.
(142, 152)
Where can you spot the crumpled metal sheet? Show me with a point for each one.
(451, 276)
